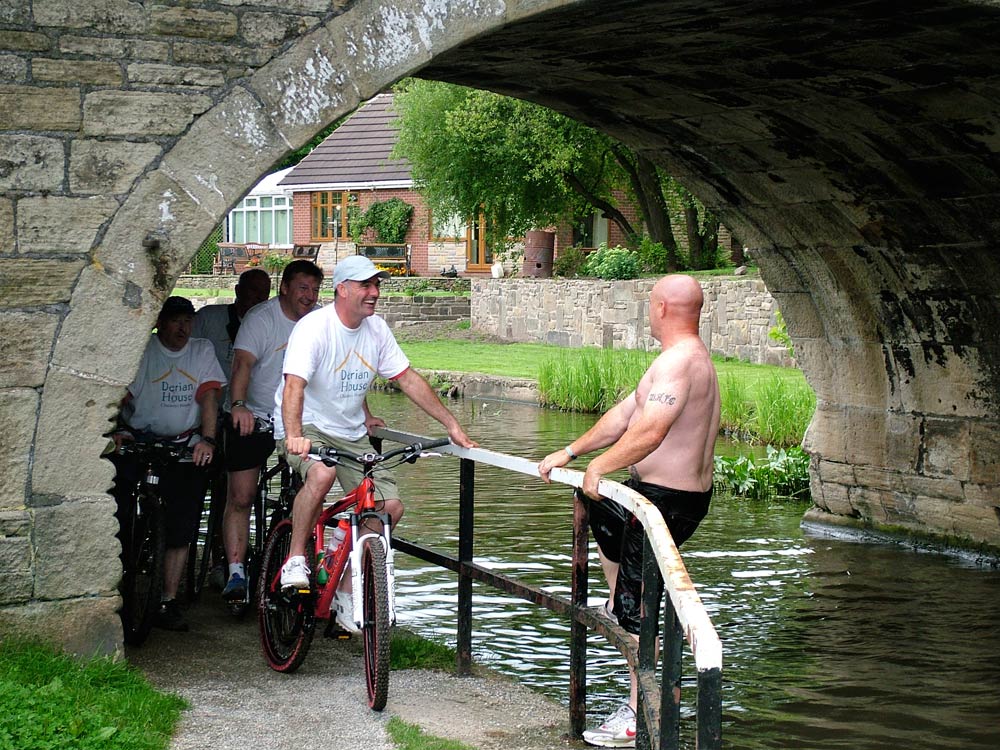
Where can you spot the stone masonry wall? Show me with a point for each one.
(735, 322)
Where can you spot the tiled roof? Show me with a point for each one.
(357, 153)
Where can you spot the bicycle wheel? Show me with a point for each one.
(143, 538)
(210, 549)
(286, 620)
(375, 628)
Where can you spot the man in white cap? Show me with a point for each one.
(332, 357)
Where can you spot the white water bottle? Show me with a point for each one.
(335, 540)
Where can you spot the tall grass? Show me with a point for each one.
(590, 379)
(760, 405)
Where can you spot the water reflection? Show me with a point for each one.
(827, 643)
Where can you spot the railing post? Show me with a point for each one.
(709, 709)
(670, 688)
(647, 730)
(578, 631)
(466, 506)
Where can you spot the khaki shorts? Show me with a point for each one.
(348, 472)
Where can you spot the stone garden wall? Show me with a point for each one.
(735, 322)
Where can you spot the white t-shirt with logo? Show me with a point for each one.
(338, 364)
(264, 334)
(167, 386)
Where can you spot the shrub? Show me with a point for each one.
(570, 262)
(389, 219)
(782, 473)
(612, 263)
(276, 262)
(652, 256)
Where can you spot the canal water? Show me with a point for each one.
(828, 641)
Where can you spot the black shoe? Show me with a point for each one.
(170, 617)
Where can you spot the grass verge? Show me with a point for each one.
(50, 700)
(411, 737)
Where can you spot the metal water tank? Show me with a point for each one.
(538, 251)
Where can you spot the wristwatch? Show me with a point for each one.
(240, 402)
(570, 453)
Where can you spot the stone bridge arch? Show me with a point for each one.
(855, 149)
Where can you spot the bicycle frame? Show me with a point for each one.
(362, 501)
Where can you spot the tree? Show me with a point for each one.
(524, 166)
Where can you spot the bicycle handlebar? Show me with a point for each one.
(157, 450)
(331, 456)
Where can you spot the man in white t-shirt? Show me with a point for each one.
(174, 396)
(259, 351)
(332, 357)
(220, 323)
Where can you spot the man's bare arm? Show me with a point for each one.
(292, 400)
(243, 362)
(417, 389)
(608, 429)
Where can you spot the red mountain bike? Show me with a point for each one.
(288, 617)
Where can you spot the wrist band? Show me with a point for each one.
(570, 453)
(239, 402)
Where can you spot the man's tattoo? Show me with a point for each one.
(663, 398)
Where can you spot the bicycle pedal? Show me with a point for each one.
(335, 631)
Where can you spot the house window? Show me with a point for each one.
(261, 218)
(591, 230)
(447, 229)
(479, 256)
(329, 213)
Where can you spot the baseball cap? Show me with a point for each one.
(356, 268)
(176, 306)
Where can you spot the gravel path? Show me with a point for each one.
(237, 702)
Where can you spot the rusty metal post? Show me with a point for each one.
(709, 709)
(670, 688)
(647, 715)
(578, 631)
(466, 515)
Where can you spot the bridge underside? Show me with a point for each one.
(853, 146)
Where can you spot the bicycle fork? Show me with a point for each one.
(357, 587)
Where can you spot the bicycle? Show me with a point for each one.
(142, 533)
(288, 617)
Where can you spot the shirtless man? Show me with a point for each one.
(664, 432)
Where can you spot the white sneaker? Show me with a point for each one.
(295, 573)
(343, 606)
(617, 731)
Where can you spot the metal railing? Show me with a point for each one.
(685, 618)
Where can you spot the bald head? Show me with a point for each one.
(675, 306)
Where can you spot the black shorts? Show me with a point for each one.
(620, 536)
(249, 452)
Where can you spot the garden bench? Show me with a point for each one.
(387, 254)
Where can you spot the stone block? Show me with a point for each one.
(159, 74)
(55, 224)
(18, 417)
(984, 453)
(87, 626)
(827, 430)
(36, 281)
(30, 108)
(124, 113)
(105, 342)
(107, 167)
(832, 498)
(868, 504)
(26, 340)
(312, 84)
(15, 523)
(15, 570)
(24, 41)
(107, 16)
(193, 22)
(90, 72)
(76, 551)
(225, 152)
(16, 12)
(274, 28)
(13, 69)
(902, 441)
(944, 490)
(836, 472)
(6, 226)
(30, 163)
(946, 448)
(940, 382)
(75, 413)
(153, 236)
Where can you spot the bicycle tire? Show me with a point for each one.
(143, 539)
(202, 555)
(286, 623)
(375, 627)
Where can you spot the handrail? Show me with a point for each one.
(686, 605)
